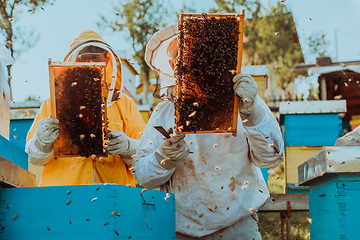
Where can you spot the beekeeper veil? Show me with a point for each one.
(157, 58)
(89, 38)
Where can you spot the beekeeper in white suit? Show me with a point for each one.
(219, 186)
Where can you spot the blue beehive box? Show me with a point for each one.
(13, 153)
(22, 115)
(312, 123)
(333, 177)
(86, 212)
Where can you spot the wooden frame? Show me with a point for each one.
(240, 17)
(62, 148)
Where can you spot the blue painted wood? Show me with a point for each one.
(13, 153)
(312, 129)
(334, 206)
(294, 188)
(46, 212)
(265, 174)
(18, 131)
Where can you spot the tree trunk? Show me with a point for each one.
(9, 45)
(9, 81)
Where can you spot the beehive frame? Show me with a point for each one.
(240, 18)
(63, 147)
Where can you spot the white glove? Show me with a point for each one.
(245, 88)
(172, 151)
(122, 145)
(46, 132)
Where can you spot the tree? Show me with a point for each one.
(23, 39)
(272, 38)
(317, 45)
(138, 21)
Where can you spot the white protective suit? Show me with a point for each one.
(222, 173)
(220, 183)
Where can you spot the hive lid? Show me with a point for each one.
(306, 107)
(329, 160)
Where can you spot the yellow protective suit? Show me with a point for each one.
(123, 115)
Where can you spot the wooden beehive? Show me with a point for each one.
(98, 211)
(311, 123)
(333, 177)
(294, 156)
(210, 54)
(78, 100)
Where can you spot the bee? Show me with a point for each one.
(192, 114)
(114, 213)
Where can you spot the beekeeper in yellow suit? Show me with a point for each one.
(125, 125)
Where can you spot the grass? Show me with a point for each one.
(269, 223)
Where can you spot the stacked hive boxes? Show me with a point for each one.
(307, 128)
(333, 177)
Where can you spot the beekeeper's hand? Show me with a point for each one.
(46, 132)
(122, 145)
(172, 151)
(245, 88)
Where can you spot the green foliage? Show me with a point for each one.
(10, 12)
(23, 38)
(233, 6)
(138, 21)
(318, 45)
(270, 226)
(270, 223)
(272, 38)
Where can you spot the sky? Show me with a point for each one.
(58, 24)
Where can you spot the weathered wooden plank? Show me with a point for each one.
(278, 202)
(14, 176)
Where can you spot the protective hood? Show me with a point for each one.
(156, 54)
(113, 66)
